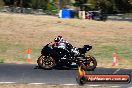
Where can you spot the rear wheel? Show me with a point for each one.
(46, 63)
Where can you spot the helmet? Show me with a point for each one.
(61, 38)
(57, 39)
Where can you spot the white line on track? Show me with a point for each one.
(7, 82)
(61, 84)
(45, 83)
(94, 85)
(37, 83)
(78, 84)
(69, 84)
(117, 70)
(115, 86)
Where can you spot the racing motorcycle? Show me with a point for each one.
(52, 57)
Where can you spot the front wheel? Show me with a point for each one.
(89, 63)
(46, 63)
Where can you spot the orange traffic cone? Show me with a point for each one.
(28, 54)
(115, 60)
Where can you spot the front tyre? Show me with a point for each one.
(81, 80)
(90, 63)
(46, 63)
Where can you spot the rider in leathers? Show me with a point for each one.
(60, 43)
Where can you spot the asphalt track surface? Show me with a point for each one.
(28, 73)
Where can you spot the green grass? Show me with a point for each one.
(17, 52)
(1, 60)
(11, 51)
(107, 51)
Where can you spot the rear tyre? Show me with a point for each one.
(46, 63)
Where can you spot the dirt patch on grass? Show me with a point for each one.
(18, 32)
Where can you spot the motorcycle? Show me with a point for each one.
(52, 57)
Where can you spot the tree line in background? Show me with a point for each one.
(108, 6)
